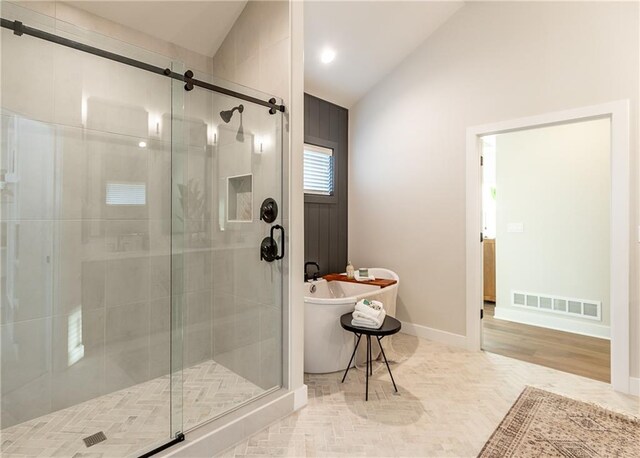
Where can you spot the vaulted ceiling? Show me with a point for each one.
(370, 38)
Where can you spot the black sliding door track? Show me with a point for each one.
(20, 29)
(179, 438)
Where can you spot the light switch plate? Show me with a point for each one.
(515, 227)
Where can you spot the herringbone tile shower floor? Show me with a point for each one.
(132, 418)
(450, 402)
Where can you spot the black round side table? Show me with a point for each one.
(389, 327)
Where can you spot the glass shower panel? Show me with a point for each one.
(86, 329)
(178, 296)
(233, 313)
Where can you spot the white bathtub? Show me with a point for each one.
(328, 347)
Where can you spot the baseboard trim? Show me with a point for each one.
(300, 398)
(634, 386)
(436, 335)
(553, 322)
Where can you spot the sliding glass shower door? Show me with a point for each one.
(141, 244)
(86, 247)
(234, 244)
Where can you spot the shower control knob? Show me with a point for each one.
(268, 249)
(269, 210)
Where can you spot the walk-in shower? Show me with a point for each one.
(134, 302)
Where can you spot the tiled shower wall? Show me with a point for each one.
(257, 48)
(247, 301)
(75, 269)
(85, 284)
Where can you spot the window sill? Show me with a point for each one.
(320, 199)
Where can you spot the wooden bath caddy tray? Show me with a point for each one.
(381, 282)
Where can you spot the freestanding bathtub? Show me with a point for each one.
(328, 347)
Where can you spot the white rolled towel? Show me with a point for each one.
(366, 321)
(366, 312)
(358, 315)
(366, 304)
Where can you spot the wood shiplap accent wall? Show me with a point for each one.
(325, 218)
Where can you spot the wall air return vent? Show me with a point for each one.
(546, 303)
(518, 299)
(582, 308)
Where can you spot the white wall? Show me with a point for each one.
(555, 181)
(490, 62)
(295, 205)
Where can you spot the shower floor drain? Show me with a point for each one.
(94, 439)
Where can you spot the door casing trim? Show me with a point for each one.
(618, 112)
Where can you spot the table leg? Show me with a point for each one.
(370, 359)
(352, 356)
(387, 363)
(368, 343)
(366, 397)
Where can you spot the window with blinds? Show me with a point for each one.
(126, 194)
(318, 170)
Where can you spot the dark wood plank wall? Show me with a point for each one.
(325, 218)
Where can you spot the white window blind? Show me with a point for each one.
(318, 170)
(126, 194)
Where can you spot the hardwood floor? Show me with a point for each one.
(564, 351)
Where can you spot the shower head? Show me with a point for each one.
(226, 115)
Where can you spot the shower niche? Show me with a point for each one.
(240, 199)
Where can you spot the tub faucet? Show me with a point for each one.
(315, 274)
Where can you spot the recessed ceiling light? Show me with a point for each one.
(327, 55)
(142, 144)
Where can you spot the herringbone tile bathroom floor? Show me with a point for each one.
(132, 419)
(450, 401)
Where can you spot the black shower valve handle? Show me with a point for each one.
(268, 210)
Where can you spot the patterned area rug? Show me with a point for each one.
(546, 424)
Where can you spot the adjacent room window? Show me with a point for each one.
(318, 170)
(126, 194)
(74, 337)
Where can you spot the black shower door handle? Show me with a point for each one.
(269, 246)
(282, 234)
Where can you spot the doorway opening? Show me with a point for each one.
(546, 246)
(554, 221)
